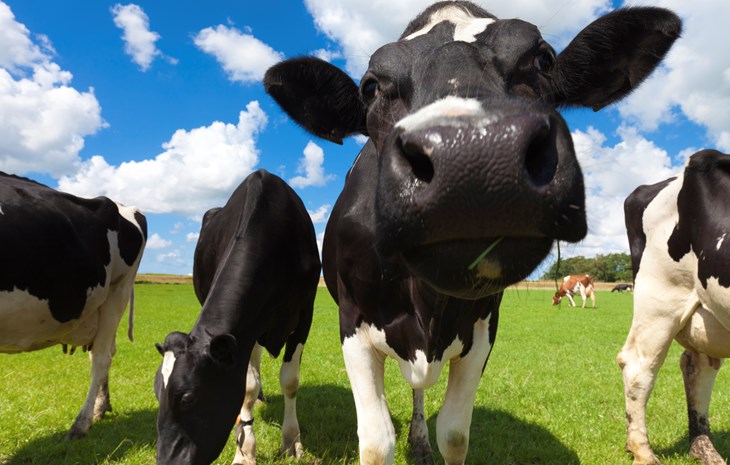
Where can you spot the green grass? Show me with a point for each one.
(551, 393)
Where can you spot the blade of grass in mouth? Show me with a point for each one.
(484, 254)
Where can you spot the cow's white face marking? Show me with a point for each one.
(467, 27)
(448, 109)
(168, 363)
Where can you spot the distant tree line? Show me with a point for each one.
(610, 268)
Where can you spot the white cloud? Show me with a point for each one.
(611, 174)
(139, 40)
(320, 215)
(192, 236)
(311, 166)
(199, 169)
(243, 57)
(695, 77)
(174, 258)
(43, 121)
(360, 28)
(155, 241)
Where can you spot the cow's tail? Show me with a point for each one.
(130, 326)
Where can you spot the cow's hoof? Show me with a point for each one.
(101, 411)
(294, 450)
(420, 451)
(75, 433)
(703, 450)
(647, 460)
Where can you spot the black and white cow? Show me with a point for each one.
(67, 268)
(256, 273)
(468, 178)
(680, 252)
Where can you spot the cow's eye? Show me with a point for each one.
(369, 89)
(544, 59)
(187, 400)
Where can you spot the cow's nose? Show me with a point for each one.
(523, 147)
(469, 177)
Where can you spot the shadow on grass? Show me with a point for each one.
(329, 431)
(109, 439)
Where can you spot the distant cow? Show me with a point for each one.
(622, 288)
(468, 178)
(256, 273)
(680, 253)
(576, 283)
(67, 273)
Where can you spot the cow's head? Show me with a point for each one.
(196, 385)
(557, 297)
(473, 156)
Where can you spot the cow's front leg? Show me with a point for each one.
(570, 298)
(418, 433)
(699, 372)
(640, 359)
(291, 442)
(245, 437)
(366, 370)
(454, 419)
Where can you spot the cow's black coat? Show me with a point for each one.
(256, 272)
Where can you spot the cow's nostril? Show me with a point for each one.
(421, 163)
(541, 157)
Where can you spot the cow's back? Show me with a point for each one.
(59, 255)
(261, 244)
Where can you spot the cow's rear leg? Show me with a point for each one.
(291, 442)
(640, 359)
(454, 419)
(97, 401)
(366, 371)
(245, 438)
(418, 433)
(699, 372)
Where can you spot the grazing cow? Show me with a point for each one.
(680, 256)
(576, 283)
(256, 273)
(468, 178)
(622, 288)
(68, 266)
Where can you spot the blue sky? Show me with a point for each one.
(159, 104)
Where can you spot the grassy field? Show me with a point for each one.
(551, 393)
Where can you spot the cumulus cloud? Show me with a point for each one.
(320, 215)
(359, 28)
(139, 40)
(611, 173)
(155, 241)
(311, 166)
(695, 77)
(43, 121)
(243, 57)
(192, 236)
(198, 169)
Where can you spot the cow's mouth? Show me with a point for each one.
(476, 268)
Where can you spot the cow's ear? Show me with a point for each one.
(222, 350)
(612, 56)
(318, 96)
(160, 349)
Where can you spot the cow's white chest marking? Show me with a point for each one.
(168, 363)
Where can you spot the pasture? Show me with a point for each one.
(551, 393)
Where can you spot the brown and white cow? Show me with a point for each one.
(680, 255)
(67, 268)
(576, 283)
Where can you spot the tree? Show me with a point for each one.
(607, 268)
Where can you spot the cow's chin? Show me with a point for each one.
(462, 268)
